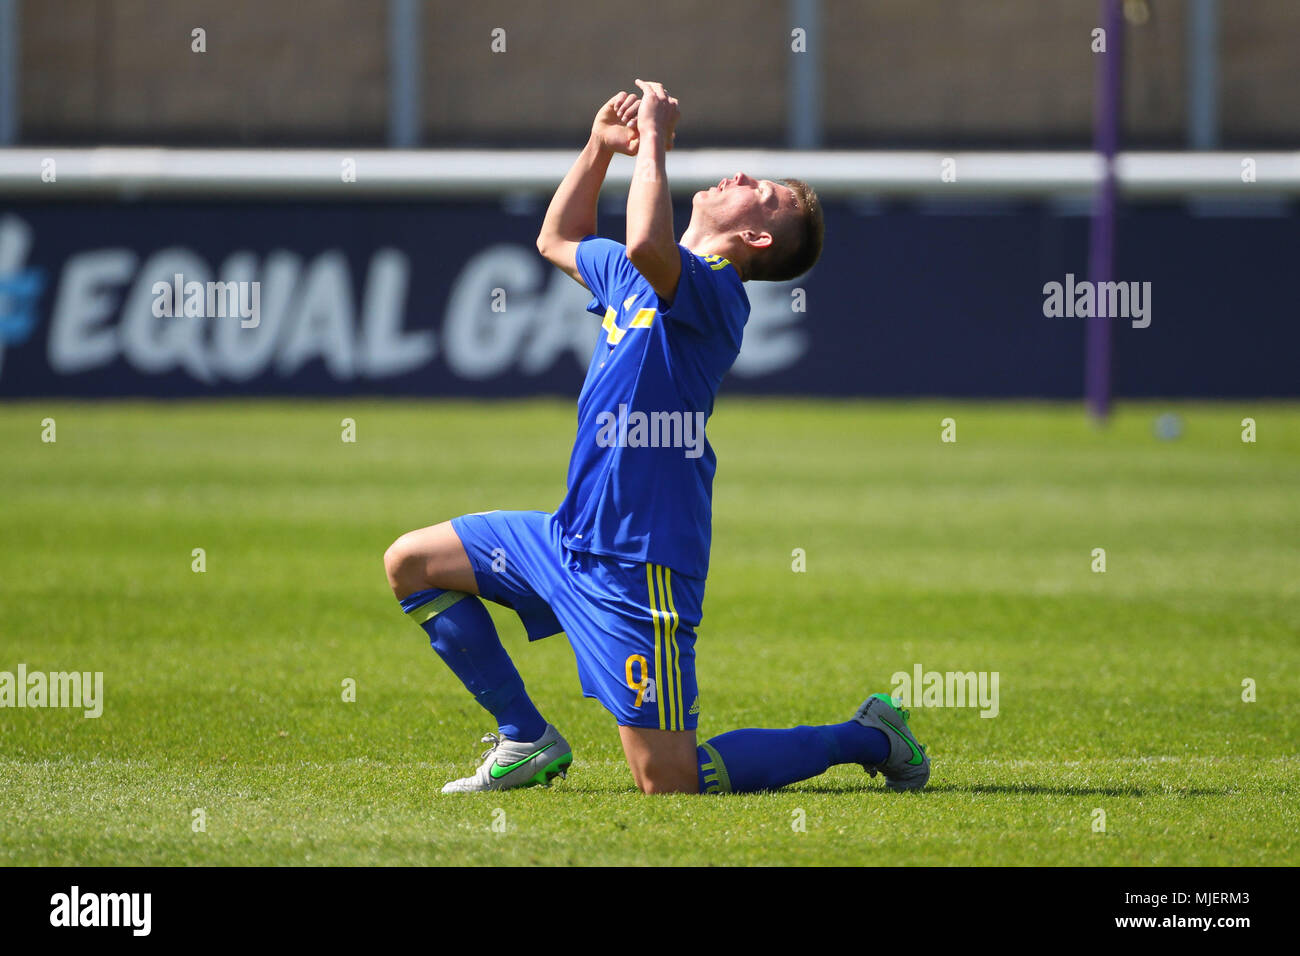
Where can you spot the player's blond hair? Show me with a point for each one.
(798, 245)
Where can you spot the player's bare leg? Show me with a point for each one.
(662, 761)
(431, 557)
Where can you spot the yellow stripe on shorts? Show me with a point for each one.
(668, 665)
(654, 614)
(670, 654)
(664, 676)
(676, 674)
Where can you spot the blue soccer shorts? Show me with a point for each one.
(631, 625)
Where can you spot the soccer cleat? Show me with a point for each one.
(908, 767)
(508, 764)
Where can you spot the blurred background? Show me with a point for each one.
(947, 73)
(380, 167)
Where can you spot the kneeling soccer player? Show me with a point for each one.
(620, 566)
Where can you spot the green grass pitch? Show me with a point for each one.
(1120, 691)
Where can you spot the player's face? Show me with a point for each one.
(742, 202)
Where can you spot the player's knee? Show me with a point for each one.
(403, 565)
(664, 776)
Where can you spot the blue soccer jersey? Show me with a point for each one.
(640, 481)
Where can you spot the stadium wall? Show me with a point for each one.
(957, 73)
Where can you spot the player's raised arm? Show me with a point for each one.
(651, 244)
(572, 214)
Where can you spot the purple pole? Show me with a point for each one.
(1101, 239)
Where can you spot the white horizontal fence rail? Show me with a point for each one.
(119, 173)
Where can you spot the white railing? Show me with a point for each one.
(347, 174)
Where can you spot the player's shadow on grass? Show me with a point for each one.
(1035, 789)
(1080, 791)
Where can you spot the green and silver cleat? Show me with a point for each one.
(508, 764)
(908, 766)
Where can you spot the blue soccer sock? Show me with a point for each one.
(744, 761)
(461, 631)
